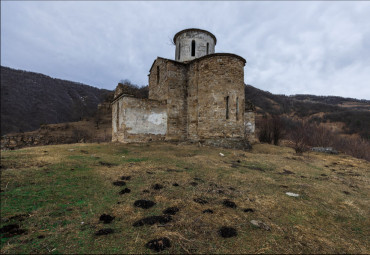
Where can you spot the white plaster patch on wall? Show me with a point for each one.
(249, 127)
(157, 118)
(141, 121)
(120, 109)
(114, 117)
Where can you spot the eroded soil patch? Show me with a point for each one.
(208, 211)
(157, 186)
(106, 218)
(229, 203)
(159, 244)
(125, 178)
(107, 164)
(119, 183)
(171, 210)
(200, 201)
(17, 217)
(286, 172)
(151, 220)
(145, 204)
(124, 191)
(227, 232)
(12, 230)
(104, 231)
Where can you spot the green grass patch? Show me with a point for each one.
(259, 166)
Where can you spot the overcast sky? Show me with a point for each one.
(320, 48)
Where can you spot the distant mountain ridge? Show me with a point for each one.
(353, 113)
(30, 99)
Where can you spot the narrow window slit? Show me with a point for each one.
(237, 108)
(179, 53)
(227, 107)
(193, 48)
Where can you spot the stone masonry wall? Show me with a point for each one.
(214, 81)
(184, 41)
(172, 86)
(176, 102)
(158, 88)
(138, 120)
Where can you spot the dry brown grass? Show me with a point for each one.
(329, 216)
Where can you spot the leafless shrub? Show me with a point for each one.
(354, 146)
(304, 135)
(320, 136)
(81, 134)
(265, 130)
(277, 129)
(271, 129)
(97, 119)
(300, 136)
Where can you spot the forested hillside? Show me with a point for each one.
(29, 100)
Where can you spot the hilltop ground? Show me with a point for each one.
(52, 198)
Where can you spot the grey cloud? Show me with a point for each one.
(290, 47)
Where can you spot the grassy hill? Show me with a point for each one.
(52, 198)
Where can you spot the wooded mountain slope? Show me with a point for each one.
(30, 99)
(353, 113)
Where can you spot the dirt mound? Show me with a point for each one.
(145, 204)
(157, 186)
(124, 191)
(229, 203)
(174, 170)
(119, 183)
(158, 244)
(17, 217)
(200, 201)
(286, 172)
(106, 218)
(227, 232)
(104, 231)
(12, 230)
(171, 210)
(208, 211)
(107, 164)
(151, 220)
(125, 178)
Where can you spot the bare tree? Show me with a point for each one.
(271, 129)
(300, 136)
(277, 129)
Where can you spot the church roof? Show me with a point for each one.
(194, 29)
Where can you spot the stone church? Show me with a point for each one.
(198, 97)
